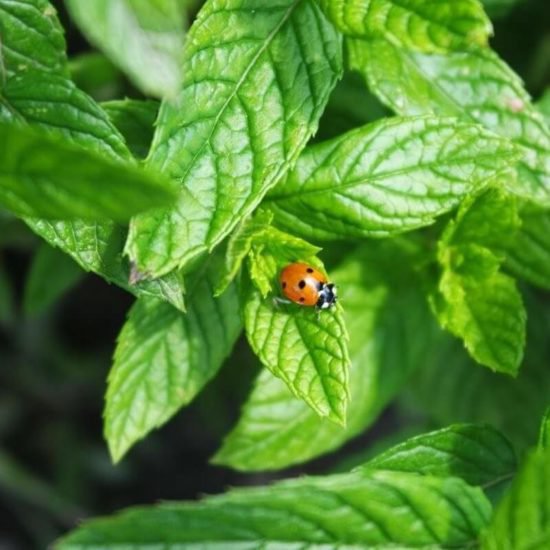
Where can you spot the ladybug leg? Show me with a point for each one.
(277, 301)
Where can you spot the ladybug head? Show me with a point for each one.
(327, 296)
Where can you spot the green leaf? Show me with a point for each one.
(341, 511)
(97, 247)
(240, 244)
(276, 429)
(480, 455)
(475, 301)
(488, 219)
(42, 176)
(484, 308)
(32, 38)
(54, 104)
(134, 119)
(475, 85)
(52, 273)
(543, 106)
(426, 26)
(449, 389)
(391, 176)
(544, 434)
(528, 255)
(164, 358)
(145, 39)
(522, 519)
(257, 79)
(308, 352)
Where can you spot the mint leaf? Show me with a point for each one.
(52, 273)
(485, 309)
(528, 255)
(164, 358)
(32, 38)
(544, 434)
(474, 300)
(543, 106)
(488, 219)
(134, 119)
(307, 352)
(256, 79)
(145, 39)
(484, 396)
(340, 511)
(276, 429)
(54, 104)
(522, 519)
(45, 177)
(240, 244)
(480, 455)
(426, 26)
(391, 176)
(97, 247)
(475, 85)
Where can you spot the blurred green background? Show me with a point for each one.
(55, 353)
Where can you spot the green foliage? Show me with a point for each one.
(528, 254)
(522, 519)
(308, 353)
(49, 178)
(351, 509)
(448, 389)
(441, 26)
(254, 156)
(144, 39)
(474, 300)
(349, 187)
(44, 51)
(475, 85)
(276, 429)
(258, 100)
(477, 454)
(164, 358)
(544, 435)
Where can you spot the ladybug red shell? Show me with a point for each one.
(306, 286)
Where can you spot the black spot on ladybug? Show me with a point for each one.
(284, 284)
(302, 284)
(302, 299)
(309, 270)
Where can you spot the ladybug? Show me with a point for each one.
(306, 286)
